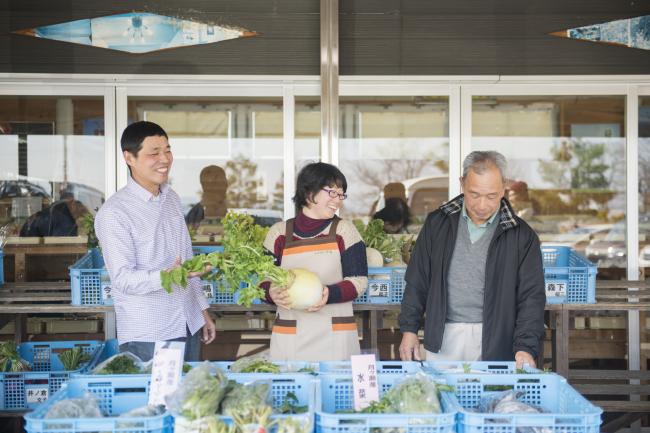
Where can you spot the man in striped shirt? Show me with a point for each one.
(141, 230)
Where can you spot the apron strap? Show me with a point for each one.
(289, 241)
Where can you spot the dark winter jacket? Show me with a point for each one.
(514, 296)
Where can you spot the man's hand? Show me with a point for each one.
(409, 349)
(323, 300)
(280, 297)
(522, 358)
(179, 262)
(209, 329)
(206, 269)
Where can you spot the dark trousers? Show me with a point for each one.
(144, 350)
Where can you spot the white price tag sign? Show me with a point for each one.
(36, 394)
(556, 289)
(207, 289)
(364, 380)
(106, 287)
(166, 370)
(379, 288)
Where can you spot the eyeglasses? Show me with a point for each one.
(335, 194)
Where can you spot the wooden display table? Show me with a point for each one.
(21, 248)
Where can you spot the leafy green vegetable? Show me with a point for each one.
(88, 227)
(243, 400)
(254, 365)
(10, 360)
(257, 416)
(242, 264)
(73, 358)
(203, 393)
(291, 425)
(120, 364)
(290, 405)
(374, 236)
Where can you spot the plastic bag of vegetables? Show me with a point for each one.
(243, 399)
(199, 394)
(416, 393)
(85, 407)
(122, 363)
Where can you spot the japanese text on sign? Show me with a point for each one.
(364, 380)
(166, 370)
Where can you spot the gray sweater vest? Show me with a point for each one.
(466, 279)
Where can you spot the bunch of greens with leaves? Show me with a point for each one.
(254, 365)
(120, 364)
(374, 236)
(88, 227)
(73, 358)
(10, 360)
(241, 266)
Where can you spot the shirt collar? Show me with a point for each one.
(144, 194)
(485, 224)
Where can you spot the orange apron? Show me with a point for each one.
(329, 334)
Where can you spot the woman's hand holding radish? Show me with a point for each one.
(280, 297)
(320, 304)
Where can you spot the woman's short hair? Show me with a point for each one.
(314, 177)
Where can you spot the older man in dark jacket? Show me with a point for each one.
(475, 279)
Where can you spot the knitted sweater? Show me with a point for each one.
(351, 248)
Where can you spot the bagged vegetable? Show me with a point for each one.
(85, 407)
(507, 402)
(199, 394)
(244, 399)
(417, 393)
(122, 363)
(139, 412)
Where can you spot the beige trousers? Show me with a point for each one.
(460, 342)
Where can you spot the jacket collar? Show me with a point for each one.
(507, 219)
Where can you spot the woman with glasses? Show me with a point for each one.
(318, 240)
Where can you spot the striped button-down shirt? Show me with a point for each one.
(140, 234)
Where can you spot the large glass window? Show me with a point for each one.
(394, 147)
(566, 158)
(228, 154)
(51, 163)
(644, 186)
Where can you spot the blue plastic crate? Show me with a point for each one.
(478, 367)
(385, 367)
(116, 395)
(89, 280)
(2, 267)
(305, 388)
(91, 285)
(20, 391)
(385, 286)
(569, 277)
(337, 395)
(286, 367)
(565, 410)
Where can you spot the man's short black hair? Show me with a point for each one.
(314, 177)
(136, 133)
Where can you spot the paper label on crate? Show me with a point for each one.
(207, 289)
(379, 288)
(166, 370)
(364, 380)
(36, 394)
(556, 289)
